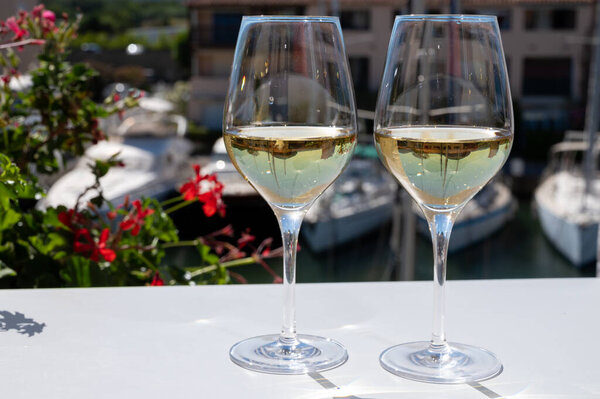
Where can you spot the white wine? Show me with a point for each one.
(290, 166)
(443, 167)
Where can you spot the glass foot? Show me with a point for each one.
(268, 355)
(459, 363)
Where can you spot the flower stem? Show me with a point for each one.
(146, 261)
(178, 206)
(170, 201)
(21, 43)
(188, 243)
(234, 263)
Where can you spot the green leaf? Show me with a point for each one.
(207, 257)
(139, 274)
(97, 201)
(101, 168)
(6, 271)
(8, 218)
(5, 196)
(46, 245)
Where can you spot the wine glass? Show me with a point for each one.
(443, 128)
(289, 129)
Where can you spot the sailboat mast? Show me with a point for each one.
(593, 104)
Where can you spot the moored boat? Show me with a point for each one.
(153, 151)
(485, 214)
(569, 215)
(358, 202)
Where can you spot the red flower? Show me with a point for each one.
(88, 247)
(49, 15)
(157, 281)
(12, 24)
(70, 217)
(136, 220)
(246, 239)
(206, 189)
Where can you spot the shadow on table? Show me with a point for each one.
(327, 384)
(21, 324)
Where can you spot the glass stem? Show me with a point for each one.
(440, 226)
(289, 223)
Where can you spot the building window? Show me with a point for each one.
(558, 19)
(359, 68)
(225, 28)
(503, 19)
(502, 15)
(356, 20)
(563, 19)
(399, 11)
(547, 77)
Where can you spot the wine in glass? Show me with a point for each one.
(443, 128)
(289, 129)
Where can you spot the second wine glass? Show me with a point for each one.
(443, 128)
(289, 129)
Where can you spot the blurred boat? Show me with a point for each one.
(153, 150)
(569, 215)
(358, 202)
(236, 187)
(485, 214)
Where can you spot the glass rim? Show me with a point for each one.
(448, 17)
(296, 18)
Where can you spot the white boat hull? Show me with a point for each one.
(473, 226)
(360, 201)
(331, 232)
(574, 234)
(152, 170)
(575, 241)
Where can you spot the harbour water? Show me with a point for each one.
(518, 250)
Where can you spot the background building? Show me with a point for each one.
(544, 41)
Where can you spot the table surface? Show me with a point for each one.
(157, 342)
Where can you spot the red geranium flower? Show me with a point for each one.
(70, 217)
(135, 221)
(157, 281)
(86, 245)
(206, 189)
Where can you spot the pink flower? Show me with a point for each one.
(49, 15)
(11, 23)
(37, 11)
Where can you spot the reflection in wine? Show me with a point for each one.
(290, 166)
(443, 167)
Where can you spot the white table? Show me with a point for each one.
(173, 342)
